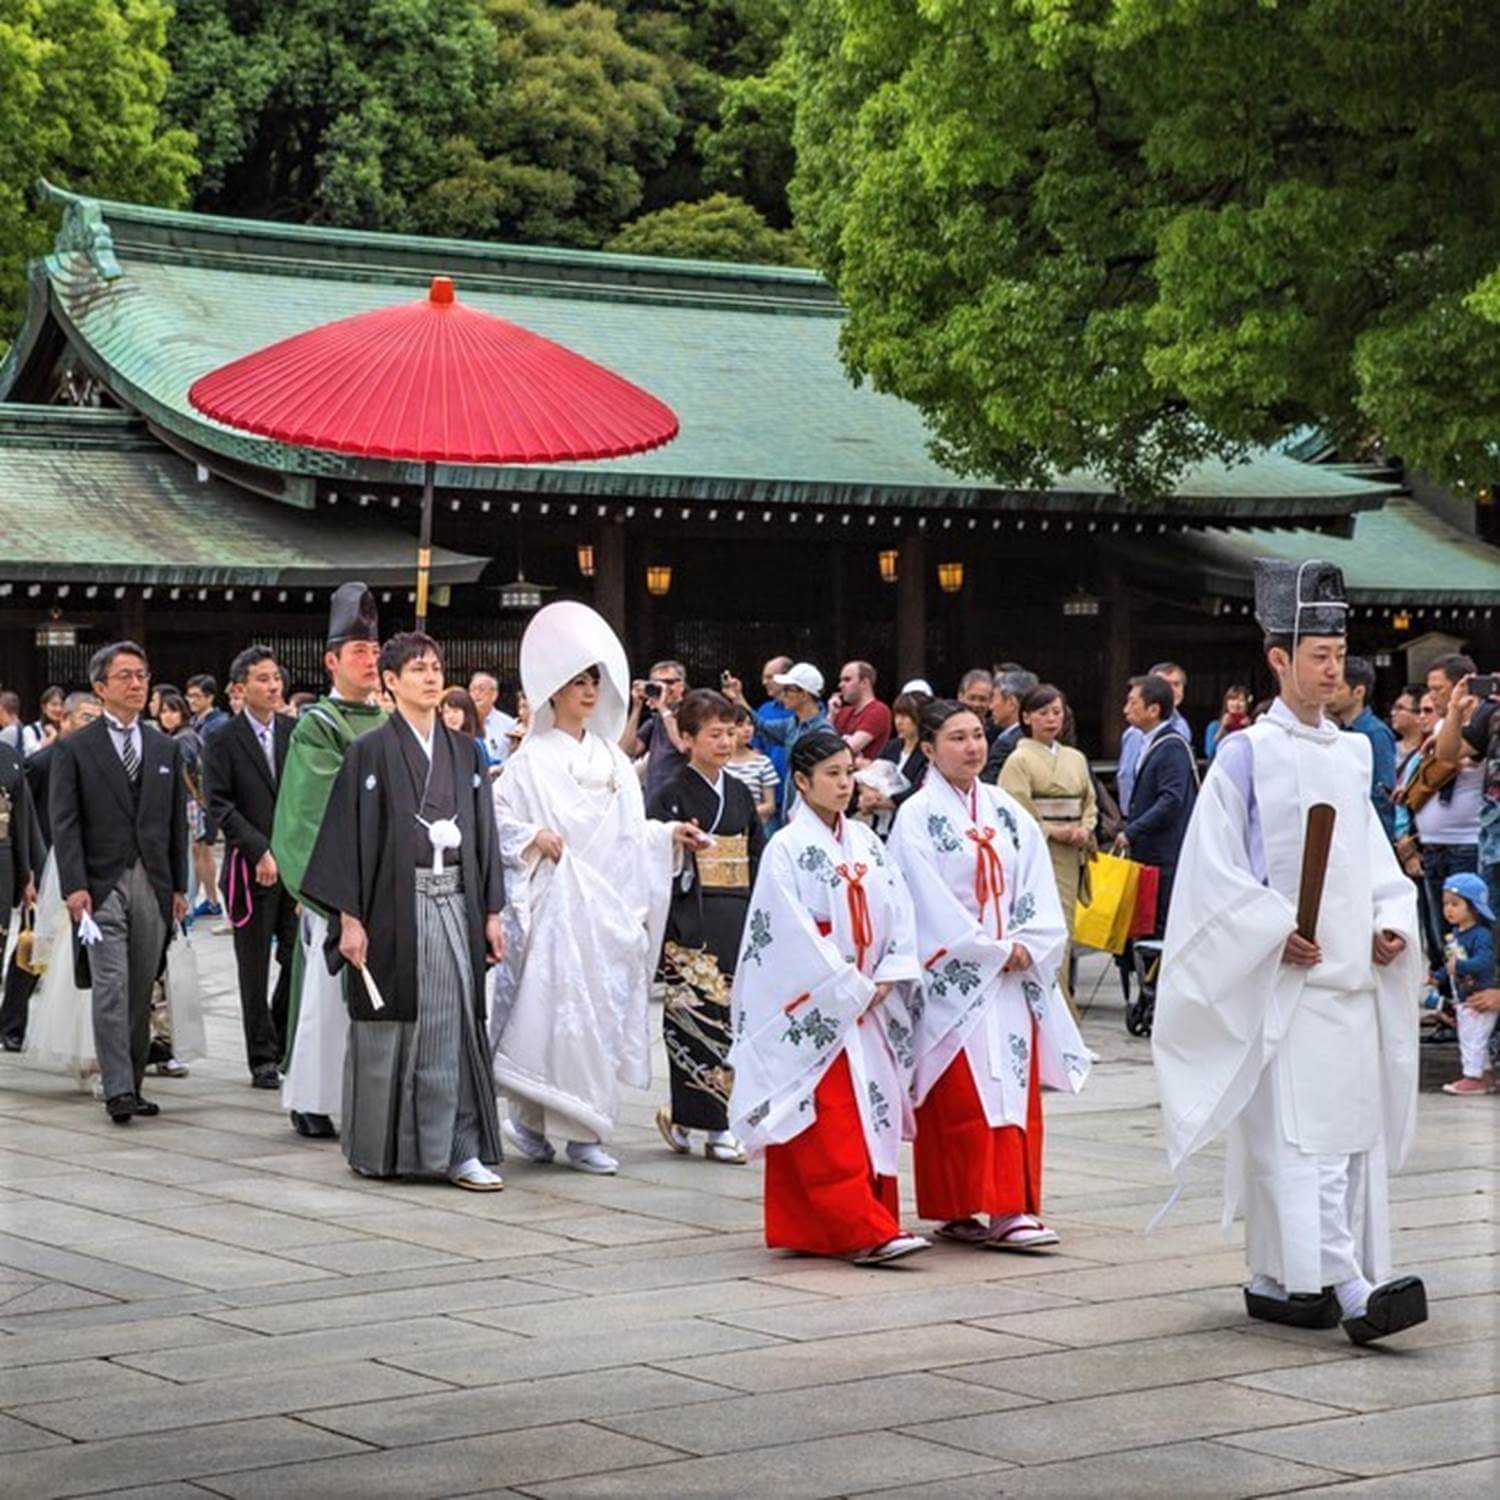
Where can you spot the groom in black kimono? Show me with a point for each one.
(407, 864)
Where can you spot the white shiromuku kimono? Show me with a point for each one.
(829, 920)
(569, 1019)
(1311, 1072)
(981, 880)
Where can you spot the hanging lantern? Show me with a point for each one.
(56, 632)
(1082, 603)
(1401, 620)
(658, 579)
(521, 594)
(950, 577)
(889, 560)
(586, 559)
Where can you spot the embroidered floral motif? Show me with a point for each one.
(760, 936)
(1074, 1065)
(1036, 997)
(812, 1024)
(759, 1113)
(916, 1006)
(940, 831)
(1024, 909)
(880, 1111)
(1008, 822)
(1020, 1057)
(956, 973)
(898, 1033)
(817, 864)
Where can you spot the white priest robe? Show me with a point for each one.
(829, 920)
(981, 881)
(1311, 1072)
(569, 1018)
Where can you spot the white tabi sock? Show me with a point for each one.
(1267, 1286)
(1353, 1296)
(1003, 1223)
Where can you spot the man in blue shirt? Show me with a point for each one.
(1133, 741)
(1353, 710)
(768, 713)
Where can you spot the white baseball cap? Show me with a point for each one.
(919, 685)
(803, 675)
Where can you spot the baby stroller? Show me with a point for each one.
(1140, 1010)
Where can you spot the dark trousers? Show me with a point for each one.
(16, 1005)
(273, 922)
(1439, 861)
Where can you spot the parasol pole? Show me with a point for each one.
(424, 545)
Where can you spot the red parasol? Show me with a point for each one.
(435, 382)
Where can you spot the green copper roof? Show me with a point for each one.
(746, 355)
(1401, 554)
(92, 496)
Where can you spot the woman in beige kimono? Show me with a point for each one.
(1052, 782)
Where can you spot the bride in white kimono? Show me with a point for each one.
(822, 1046)
(992, 1027)
(587, 884)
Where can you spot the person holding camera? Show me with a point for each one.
(658, 738)
(1475, 706)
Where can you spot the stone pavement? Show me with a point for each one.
(204, 1303)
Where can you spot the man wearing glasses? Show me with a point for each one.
(657, 739)
(119, 831)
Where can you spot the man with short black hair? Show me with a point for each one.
(1132, 742)
(20, 867)
(1012, 684)
(202, 697)
(407, 864)
(1444, 675)
(1353, 709)
(119, 829)
(242, 768)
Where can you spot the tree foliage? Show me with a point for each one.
(1125, 234)
(719, 227)
(81, 86)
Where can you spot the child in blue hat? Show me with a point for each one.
(1471, 967)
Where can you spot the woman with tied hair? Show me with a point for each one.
(588, 878)
(822, 1047)
(1051, 780)
(991, 1029)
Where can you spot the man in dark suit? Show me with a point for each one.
(242, 767)
(119, 831)
(78, 709)
(20, 842)
(1165, 787)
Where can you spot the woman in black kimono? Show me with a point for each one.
(710, 899)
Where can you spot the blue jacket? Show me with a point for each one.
(1382, 766)
(1161, 800)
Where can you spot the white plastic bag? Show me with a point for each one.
(184, 991)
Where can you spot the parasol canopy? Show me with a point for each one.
(437, 382)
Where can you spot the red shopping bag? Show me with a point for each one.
(1143, 923)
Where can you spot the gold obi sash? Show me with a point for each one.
(4, 816)
(725, 867)
(1059, 809)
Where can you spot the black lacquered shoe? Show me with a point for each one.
(145, 1107)
(1301, 1310)
(120, 1108)
(1393, 1305)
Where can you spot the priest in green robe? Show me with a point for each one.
(318, 1023)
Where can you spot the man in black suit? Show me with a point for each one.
(1165, 787)
(242, 766)
(119, 831)
(20, 843)
(78, 709)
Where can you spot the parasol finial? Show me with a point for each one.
(442, 290)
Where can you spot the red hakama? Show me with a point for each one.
(967, 1167)
(822, 1195)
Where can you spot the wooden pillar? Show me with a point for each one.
(838, 597)
(609, 575)
(911, 608)
(133, 618)
(1117, 629)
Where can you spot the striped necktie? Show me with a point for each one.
(129, 755)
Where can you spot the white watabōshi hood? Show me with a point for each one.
(562, 640)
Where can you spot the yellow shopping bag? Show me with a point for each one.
(1104, 923)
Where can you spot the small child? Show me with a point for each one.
(1471, 967)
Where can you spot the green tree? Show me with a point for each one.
(571, 120)
(717, 228)
(81, 85)
(1125, 234)
(748, 151)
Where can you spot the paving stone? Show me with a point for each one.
(1195, 1471)
(1479, 1480)
(831, 1318)
(1415, 1436)
(461, 1234)
(19, 1436)
(497, 1362)
(74, 1378)
(24, 1349)
(202, 1263)
(665, 1271)
(111, 1194)
(943, 1265)
(1376, 1382)
(91, 1272)
(796, 1471)
(398, 1339)
(614, 1229)
(781, 1417)
(100, 1311)
(268, 1394)
(1136, 1419)
(25, 1296)
(244, 1226)
(1166, 1277)
(828, 1361)
(84, 1468)
(588, 1395)
(296, 1197)
(452, 1468)
(364, 1253)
